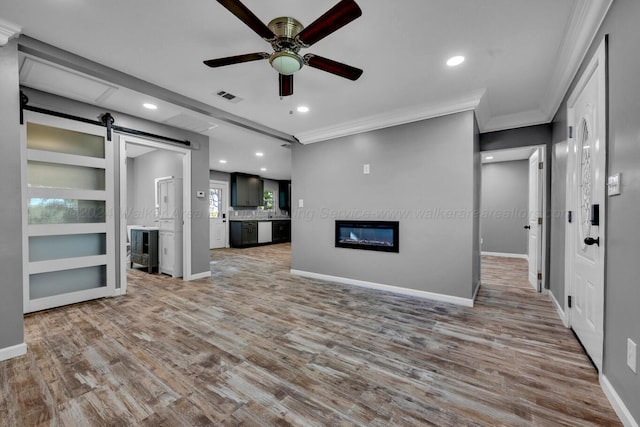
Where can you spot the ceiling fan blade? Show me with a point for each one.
(286, 84)
(334, 19)
(333, 67)
(245, 15)
(236, 59)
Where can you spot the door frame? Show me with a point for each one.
(542, 195)
(123, 139)
(597, 64)
(226, 204)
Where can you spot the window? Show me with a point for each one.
(215, 198)
(267, 200)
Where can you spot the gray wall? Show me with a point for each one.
(505, 190)
(199, 163)
(422, 174)
(146, 169)
(11, 319)
(622, 291)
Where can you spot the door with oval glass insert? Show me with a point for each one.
(586, 170)
(68, 205)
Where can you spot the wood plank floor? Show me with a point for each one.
(254, 345)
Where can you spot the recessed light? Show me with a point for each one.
(489, 158)
(303, 109)
(455, 60)
(263, 169)
(259, 154)
(222, 161)
(150, 106)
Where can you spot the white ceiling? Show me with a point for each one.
(521, 56)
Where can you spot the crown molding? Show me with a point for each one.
(515, 120)
(391, 118)
(586, 18)
(8, 31)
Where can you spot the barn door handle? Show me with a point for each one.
(528, 227)
(591, 241)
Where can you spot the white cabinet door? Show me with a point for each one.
(170, 253)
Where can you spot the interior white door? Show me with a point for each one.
(534, 213)
(218, 214)
(586, 198)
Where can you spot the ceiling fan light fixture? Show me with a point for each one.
(285, 62)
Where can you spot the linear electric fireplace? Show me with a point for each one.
(368, 235)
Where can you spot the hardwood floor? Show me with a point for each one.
(254, 345)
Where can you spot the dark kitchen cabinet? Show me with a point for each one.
(284, 195)
(246, 190)
(281, 231)
(243, 233)
(144, 248)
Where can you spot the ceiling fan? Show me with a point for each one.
(287, 36)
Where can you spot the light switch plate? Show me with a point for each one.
(613, 184)
(631, 355)
(365, 169)
(300, 203)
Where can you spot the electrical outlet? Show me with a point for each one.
(366, 169)
(631, 355)
(300, 203)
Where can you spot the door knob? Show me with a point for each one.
(591, 241)
(528, 227)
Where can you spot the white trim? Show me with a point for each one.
(559, 308)
(69, 298)
(64, 229)
(391, 118)
(617, 403)
(48, 266)
(66, 193)
(66, 159)
(505, 255)
(13, 351)
(585, 21)
(203, 275)
(8, 31)
(467, 302)
(186, 200)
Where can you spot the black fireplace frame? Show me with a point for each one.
(383, 225)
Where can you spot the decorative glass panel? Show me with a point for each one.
(44, 285)
(43, 248)
(215, 198)
(48, 138)
(52, 175)
(65, 211)
(584, 139)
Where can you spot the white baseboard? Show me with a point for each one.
(561, 313)
(467, 302)
(505, 255)
(203, 275)
(13, 351)
(617, 403)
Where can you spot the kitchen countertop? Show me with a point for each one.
(260, 219)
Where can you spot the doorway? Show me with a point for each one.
(129, 148)
(586, 203)
(512, 203)
(218, 208)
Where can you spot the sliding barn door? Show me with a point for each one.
(68, 218)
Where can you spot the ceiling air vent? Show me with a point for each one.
(228, 96)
